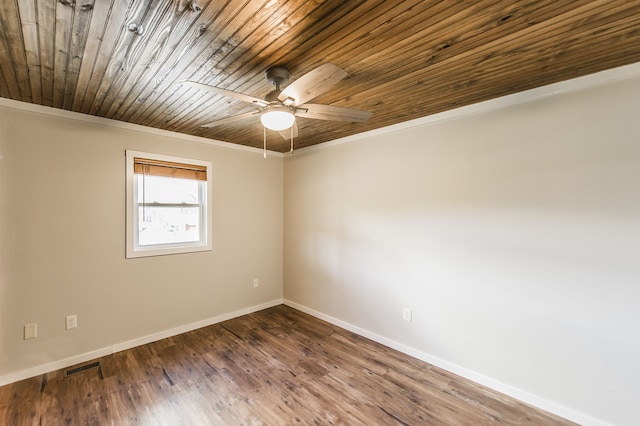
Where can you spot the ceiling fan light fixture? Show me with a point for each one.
(277, 118)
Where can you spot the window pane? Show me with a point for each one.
(168, 225)
(166, 190)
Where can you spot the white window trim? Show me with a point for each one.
(131, 251)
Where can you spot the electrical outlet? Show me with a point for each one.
(256, 283)
(30, 331)
(406, 314)
(71, 321)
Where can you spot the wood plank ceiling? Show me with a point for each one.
(125, 59)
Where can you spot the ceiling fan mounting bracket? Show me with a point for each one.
(277, 76)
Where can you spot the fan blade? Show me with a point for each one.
(312, 84)
(286, 134)
(231, 119)
(225, 92)
(332, 112)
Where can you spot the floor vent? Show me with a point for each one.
(76, 370)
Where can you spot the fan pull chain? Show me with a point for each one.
(264, 149)
(292, 138)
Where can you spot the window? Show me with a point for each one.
(167, 205)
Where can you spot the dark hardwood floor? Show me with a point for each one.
(276, 366)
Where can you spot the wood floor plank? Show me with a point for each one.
(276, 366)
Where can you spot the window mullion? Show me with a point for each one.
(177, 205)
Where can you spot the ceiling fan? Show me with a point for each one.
(279, 108)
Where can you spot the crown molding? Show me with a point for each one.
(580, 83)
(573, 85)
(71, 115)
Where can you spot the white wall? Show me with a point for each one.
(512, 234)
(62, 249)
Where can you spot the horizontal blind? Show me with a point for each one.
(145, 166)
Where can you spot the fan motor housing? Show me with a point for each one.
(273, 96)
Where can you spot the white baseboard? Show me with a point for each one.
(88, 356)
(519, 394)
(511, 391)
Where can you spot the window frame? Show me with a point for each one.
(133, 250)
